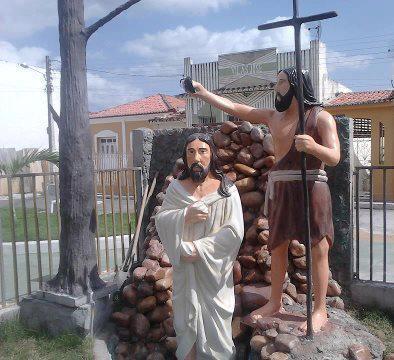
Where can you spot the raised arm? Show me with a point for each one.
(244, 112)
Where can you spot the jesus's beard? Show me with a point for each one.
(200, 175)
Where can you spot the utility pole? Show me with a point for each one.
(49, 89)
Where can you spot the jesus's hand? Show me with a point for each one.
(194, 214)
(305, 143)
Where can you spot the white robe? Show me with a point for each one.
(203, 291)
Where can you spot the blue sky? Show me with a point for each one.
(152, 38)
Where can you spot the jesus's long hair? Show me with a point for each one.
(214, 168)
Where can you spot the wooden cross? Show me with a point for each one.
(296, 22)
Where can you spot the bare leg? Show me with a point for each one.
(279, 262)
(192, 355)
(320, 273)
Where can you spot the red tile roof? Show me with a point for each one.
(153, 104)
(362, 97)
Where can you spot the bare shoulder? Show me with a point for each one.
(325, 120)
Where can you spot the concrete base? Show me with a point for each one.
(373, 294)
(9, 313)
(60, 313)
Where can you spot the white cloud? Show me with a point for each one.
(203, 45)
(110, 92)
(20, 18)
(340, 60)
(29, 55)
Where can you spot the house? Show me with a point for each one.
(373, 115)
(112, 128)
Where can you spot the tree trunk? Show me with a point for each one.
(78, 271)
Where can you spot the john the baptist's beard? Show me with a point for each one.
(283, 102)
(197, 172)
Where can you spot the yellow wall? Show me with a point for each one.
(383, 113)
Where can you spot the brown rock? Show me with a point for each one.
(246, 170)
(139, 326)
(163, 284)
(255, 296)
(156, 333)
(139, 274)
(263, 237)
(123, 333)
(155, 356)
(237, 274)
(144, 289)
(238, 328)
(171, 344)
(232, 176)
(238, 311)
(300, 262)
(251, 235)
(236, 137)
(238, 289)
(279, 356)
(235, 147)
(266, 351)
(258, 341)
(245, 157)
(284, 328)
(268, 144)
(267, 277)
(139, 351)
(147, 304)
(286, 342)
(246, 140)
(155, 252)
(333, 288)
(262, 256)
(130, 294)
(221, 140)
(300, 276)
(150, 264)
(262, 223)
(169, 327)
(165, 261)
(253, 276)
(228, 127)
(301, 299)
(121, 319)
(336, 302)
(253, 199)
(359, 352)
(245, 185)
(163, 296)
(154, 275)
(265, 162)
(256, 150)
(271, 333)
(297, 249)
(291, 291)
(122, 348)
(226, 168)
(245, 127)
(257, 134)
(226, 155)
(389, 356)
(248, 217)
(247, 261)
(160, 313)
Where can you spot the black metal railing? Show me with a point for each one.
(372, 235)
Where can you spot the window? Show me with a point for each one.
(107, 145)
(381, 143)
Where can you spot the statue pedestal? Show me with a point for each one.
(59, 313)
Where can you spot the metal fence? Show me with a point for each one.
(374, 224)
(30, 227)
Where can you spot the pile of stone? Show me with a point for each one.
(145, 325)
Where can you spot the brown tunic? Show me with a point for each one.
(286, 210)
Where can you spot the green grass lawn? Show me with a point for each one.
(380, 323)
(19, 343)
(6, 232)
